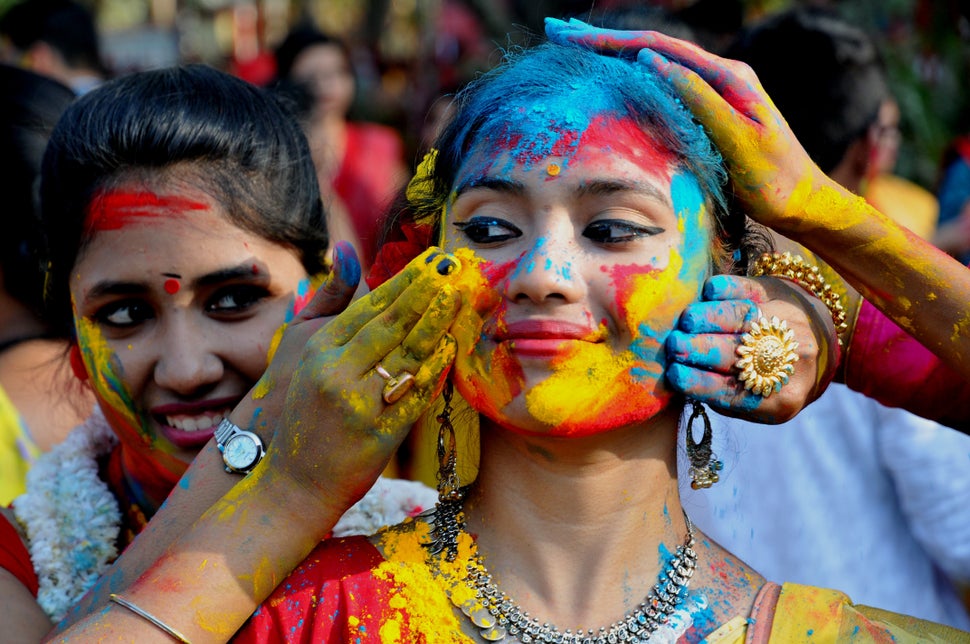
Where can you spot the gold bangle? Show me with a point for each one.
(797, 270)
(121, 601)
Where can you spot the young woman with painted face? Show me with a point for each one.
(582, 262)
(291, 501)
(587, 210)
(642, 244)
(909, 341)
(185, 227)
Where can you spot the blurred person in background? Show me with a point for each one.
(360, 164)
(38, 400)
(906, 202)
(56, 38)
(953, 192)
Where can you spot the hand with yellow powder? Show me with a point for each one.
(920, 288)
(403, 328)
(331, 442)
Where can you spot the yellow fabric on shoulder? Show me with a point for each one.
(17, 451)
(906, 203)
(734, 631)
(813, 615)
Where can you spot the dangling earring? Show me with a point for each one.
(704, 466)
(77, 363)
(447, 521)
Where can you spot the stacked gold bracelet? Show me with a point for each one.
(796, 269)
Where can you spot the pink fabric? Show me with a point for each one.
(763, 614)
(368, 177)
(331, 597)
(887, 364)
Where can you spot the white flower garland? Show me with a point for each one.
(389, 502)
(73, 520)
(71, 517)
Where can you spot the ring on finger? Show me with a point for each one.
(394, 386)
(766, 356)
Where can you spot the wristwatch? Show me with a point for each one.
(241, 450)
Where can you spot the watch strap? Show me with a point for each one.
(224, 430)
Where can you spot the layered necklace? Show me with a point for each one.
(498, 617)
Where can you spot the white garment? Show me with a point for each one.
(850, 495)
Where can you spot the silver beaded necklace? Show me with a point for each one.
(498, 617)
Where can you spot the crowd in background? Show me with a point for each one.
(370, 83)
(406, 54)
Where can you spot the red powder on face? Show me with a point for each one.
(255, 269)
(624, 138)
(172, 286)
(623, 277)
(496, 273)
(114, 210)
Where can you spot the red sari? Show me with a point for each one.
(347, 591)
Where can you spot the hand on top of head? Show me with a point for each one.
(340, 425)
(770, 170)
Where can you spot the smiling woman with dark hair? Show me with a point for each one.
(184, 228)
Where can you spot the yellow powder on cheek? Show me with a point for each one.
(575, 391)
(472, 283)
(472, 366)
(100, 360)
(659, 296)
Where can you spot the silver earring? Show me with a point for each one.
(704, 465)
(447, 520)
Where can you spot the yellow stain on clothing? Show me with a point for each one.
(417, 588)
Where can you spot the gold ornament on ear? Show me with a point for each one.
(420, 188)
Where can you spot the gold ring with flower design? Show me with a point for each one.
(766, 356)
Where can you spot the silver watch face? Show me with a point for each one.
(241, 452)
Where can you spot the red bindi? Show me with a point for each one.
(172, 286)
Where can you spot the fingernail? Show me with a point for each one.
(346, 262)
(432, 256)
(448, 265)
